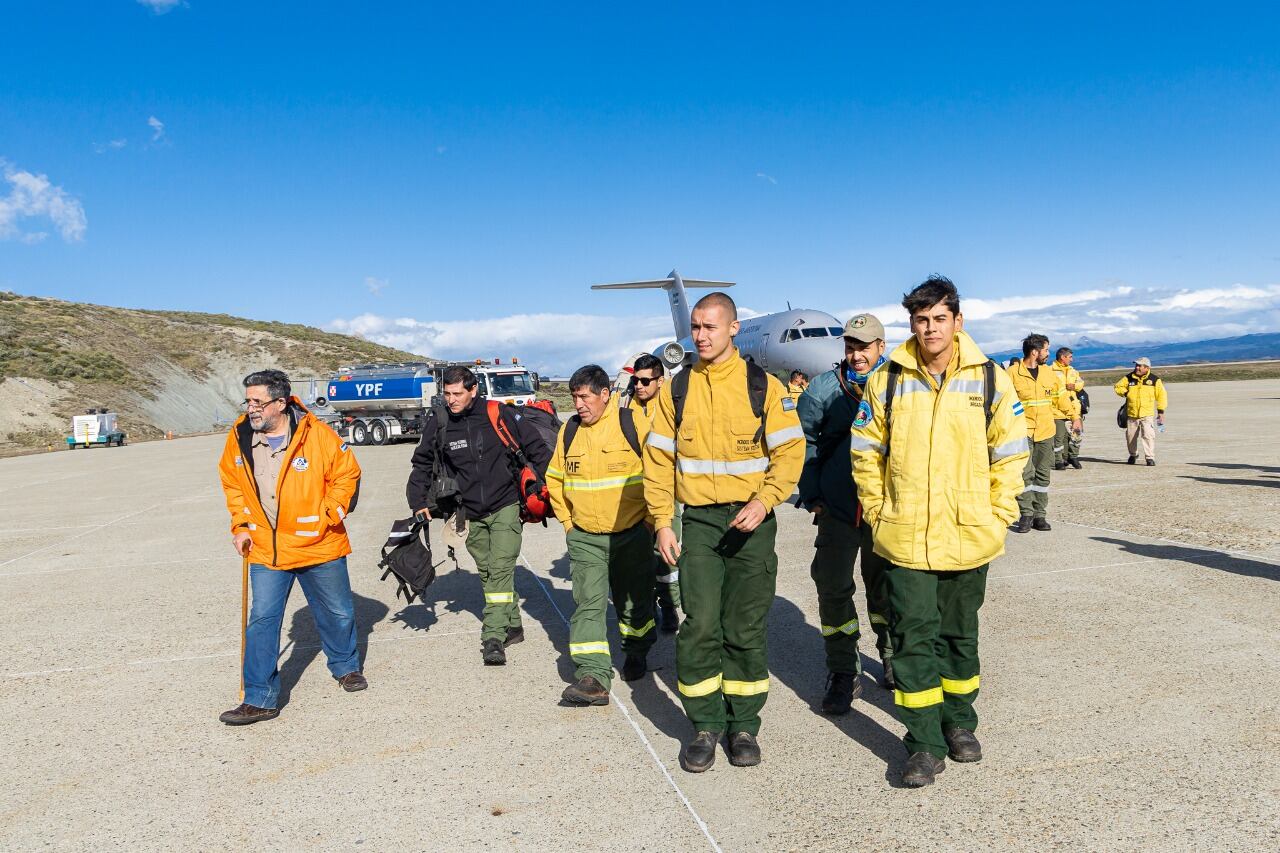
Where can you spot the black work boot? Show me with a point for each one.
(670, 622)
(244, 714)
(922, 768)
(699, 753)
(1022, 525)
(1151, 462)
(492, 654)
(1075, 463)
(635, 666)
(586, 691)
(888, 681)
(514, 635)
(842, 689)
(1133, 460)
(744, 751)
(962, 745)
(1059, 466)
(1041, 524)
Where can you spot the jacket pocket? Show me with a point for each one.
(974, 508)
(981, 534)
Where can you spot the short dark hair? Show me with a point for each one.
(1013, 359)
(648, 361)
(458, 373)
(275, 381)
(718, 297)
(589, 376)
(1063, 351)
(798, 374)
(1033, 343)
(931, 291)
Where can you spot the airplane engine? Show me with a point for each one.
(671, 353)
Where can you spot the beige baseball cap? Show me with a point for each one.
(864, 328)
(1144, 361)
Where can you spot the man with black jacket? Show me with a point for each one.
(461, 443)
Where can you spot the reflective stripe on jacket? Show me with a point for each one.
(942, 498)
(1070, 407)
(599, 486)
(1041, 398)
(716, 459)
(318, 487)
(1145, 395)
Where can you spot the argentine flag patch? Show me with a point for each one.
(1017, 407)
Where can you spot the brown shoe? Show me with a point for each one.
(246, 714)
(353, 681)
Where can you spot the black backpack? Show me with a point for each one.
(757, 390)
(895, 370)
(626, 419)
(407, 555)
(1083, 396)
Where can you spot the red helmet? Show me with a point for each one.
(534, 498)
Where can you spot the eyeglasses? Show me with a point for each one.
(257, 405)
(646, 381)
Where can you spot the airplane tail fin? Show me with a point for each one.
(675, 287)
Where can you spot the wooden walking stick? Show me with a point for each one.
(244, 616)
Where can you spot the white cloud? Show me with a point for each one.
(770, 178)
(35, 196)
(161, 7)
(112, 145)
(157, 128)
(556, 344)
(375, 285)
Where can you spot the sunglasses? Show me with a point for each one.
(646, 381)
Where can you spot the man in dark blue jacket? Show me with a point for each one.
(828, 409)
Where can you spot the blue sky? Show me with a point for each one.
(448, 179)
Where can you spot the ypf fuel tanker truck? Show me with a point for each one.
(378, 403)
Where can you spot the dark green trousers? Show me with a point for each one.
(1066, 444)
(667, 579)
(494, 543)
(600, 563)
(1034, 500)
(835, 550)
(934, 624)
(727, 583)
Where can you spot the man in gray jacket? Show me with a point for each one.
(827, 410)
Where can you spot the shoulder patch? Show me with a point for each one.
(239, 460)
(788, 404)
(301, 464)
(1017, 407)
(863, 417)
(345, 447)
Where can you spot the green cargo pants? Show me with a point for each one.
(667, 579)
(494, 543)
(835, 550)
(934, 623)
(727, 583)
(600, 563)
(1066, 444)
(1034, 500)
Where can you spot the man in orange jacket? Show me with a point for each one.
(290, 483)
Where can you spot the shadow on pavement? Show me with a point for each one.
(1273, 482)
(306, 641)
(458, 590)
(545, 604)
(1199, 556)
(1098, 460)
(1238, 466)
(798, 659)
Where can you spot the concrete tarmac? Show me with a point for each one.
(1131, 676)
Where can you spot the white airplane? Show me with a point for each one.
(795, 339)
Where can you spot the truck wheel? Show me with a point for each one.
(359, 433)
(378, 433)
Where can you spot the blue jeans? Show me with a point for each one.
(328, 592)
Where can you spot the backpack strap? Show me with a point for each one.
(757, 391)
(498, 420)
(988, 389)
(627, 420)
(570, 430)
(679, 391)
(894, 371)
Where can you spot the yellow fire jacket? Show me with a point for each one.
(643, 413)
(599, 486)
(1145, 396)
(1041, 397)
(940, 497)
(1069, 409)
(716, 459)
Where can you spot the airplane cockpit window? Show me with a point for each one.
(836, 331)
(791, 335)
(816, 332)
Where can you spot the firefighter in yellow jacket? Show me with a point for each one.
(647, 377)
(1042, 395)
(1145, 402)
(597, 489)
(938, 503)
(726, 442)
(1067, 418)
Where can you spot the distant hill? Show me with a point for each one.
(160, 370)
(1099, 355)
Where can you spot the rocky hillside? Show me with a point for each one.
(160, 370)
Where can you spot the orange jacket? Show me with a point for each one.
(318, 487)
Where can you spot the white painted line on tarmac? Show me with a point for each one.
(112, 566)
(623, 708)
(35, 673)
(95, 529)
(1076, 569)
(1229, 552)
